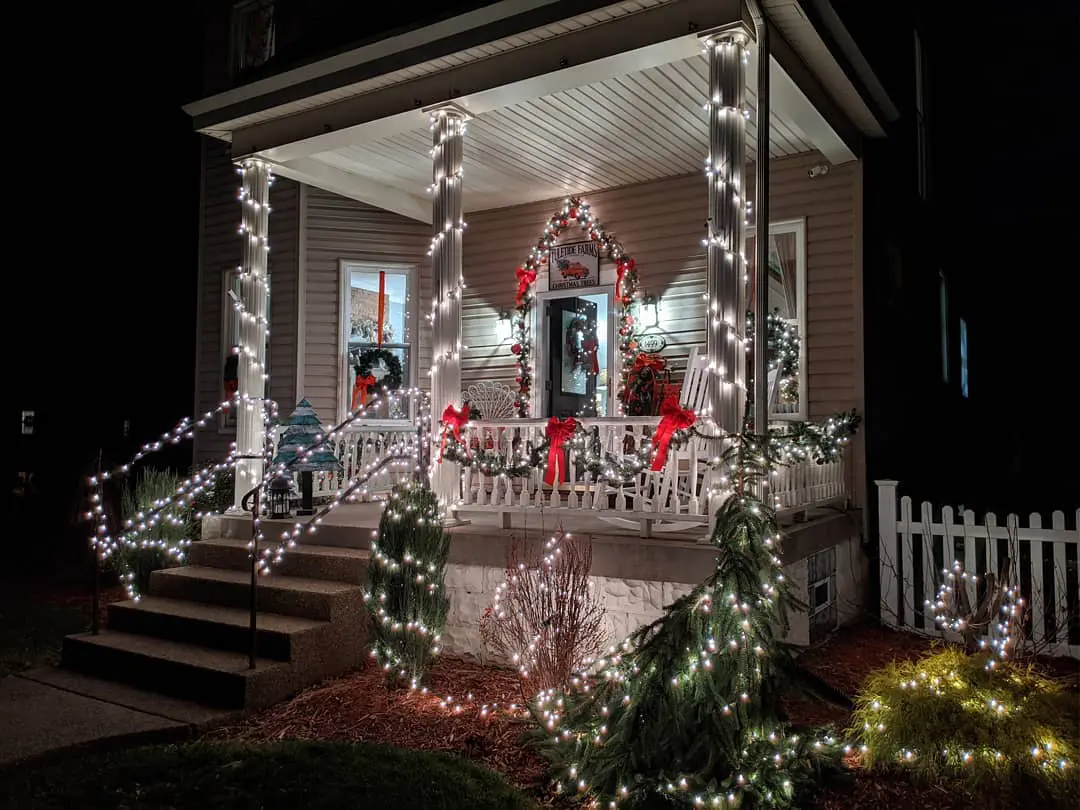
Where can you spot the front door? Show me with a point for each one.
(574, 357)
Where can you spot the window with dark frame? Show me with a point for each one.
(821, 593)
(253, 35)
(922, 142)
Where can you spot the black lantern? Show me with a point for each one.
(280, 492)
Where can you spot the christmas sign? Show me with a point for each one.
(574, 266)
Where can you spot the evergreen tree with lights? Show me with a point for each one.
(406, 594)
(686, 709)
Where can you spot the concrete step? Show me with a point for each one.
(328, 534)
(278, 637)
(333, 563)
(213, 677)
(290, 596)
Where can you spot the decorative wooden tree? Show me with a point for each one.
(304, 430)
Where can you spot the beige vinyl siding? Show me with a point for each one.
(659, 223)
(220, 254)
(337, 229)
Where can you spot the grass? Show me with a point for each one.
(230, 776)
(1009, 731)
(31, 633)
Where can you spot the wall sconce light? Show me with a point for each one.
(504, 326)
(650, 310)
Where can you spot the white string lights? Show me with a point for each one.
(254, 197)
(448, 224)
(726, 264)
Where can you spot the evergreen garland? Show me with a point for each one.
(686, 709)
(406, 595)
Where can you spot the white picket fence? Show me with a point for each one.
(1045, 564)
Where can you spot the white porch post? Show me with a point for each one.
(250, 421)
(447, 222)
(725, 264)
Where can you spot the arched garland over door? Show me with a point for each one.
(574, 211)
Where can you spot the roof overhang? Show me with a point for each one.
(504, 52)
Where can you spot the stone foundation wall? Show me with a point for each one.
(630, 603)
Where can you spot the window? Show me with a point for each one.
(963, 358)
(922, 143)
(821, 593)
(254, 34)
(943, 303)
(230, 333)
(787, 316)
(376, 304)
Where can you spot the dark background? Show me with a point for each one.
(102, 177)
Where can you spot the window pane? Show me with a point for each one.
(785, 328)
(364, 307)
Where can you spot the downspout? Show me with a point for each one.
(761, 218)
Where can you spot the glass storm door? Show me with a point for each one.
(574, 357)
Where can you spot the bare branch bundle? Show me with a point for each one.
(547, 617)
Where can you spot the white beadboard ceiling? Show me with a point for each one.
(636, 127)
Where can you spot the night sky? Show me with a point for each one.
(103, 167)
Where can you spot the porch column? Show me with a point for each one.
(447, 223)
(254, 323)
(725, 342)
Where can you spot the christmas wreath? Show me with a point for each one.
(369, 357)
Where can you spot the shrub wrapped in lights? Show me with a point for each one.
(686, 708)
(1006, 731)
(406, 595)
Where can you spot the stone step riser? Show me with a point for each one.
(286, 601)
(296, 563)
(327, 534)
(182, 680)
(218, 635)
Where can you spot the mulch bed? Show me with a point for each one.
(468, 709)
(484, 720)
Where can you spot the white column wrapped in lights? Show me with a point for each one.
(448, 129)
(254, 326)
(728, 208)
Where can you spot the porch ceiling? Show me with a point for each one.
(640, 126)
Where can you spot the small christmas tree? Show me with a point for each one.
(406, 595)
(304, 430)
(685, 710)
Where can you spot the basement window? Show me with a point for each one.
(821, 593)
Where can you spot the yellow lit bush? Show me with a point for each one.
(1006, 730)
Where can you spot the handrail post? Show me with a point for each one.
(252, 598)
(95, 602)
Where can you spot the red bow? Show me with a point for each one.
(453, 421)
(360, 391)
(650, 361)
(673, 417)
(589, 346)
(557, 432)
(621, 269)
(526, 278)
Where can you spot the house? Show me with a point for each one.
(417, 170)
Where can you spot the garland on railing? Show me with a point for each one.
(797, 442)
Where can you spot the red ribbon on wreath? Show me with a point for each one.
(589, 347)
(557, 432)
(360, 391)
(526, 278)
(649, 361)
(453, 420)
(673, 417)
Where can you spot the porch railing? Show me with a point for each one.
(917, 545)
(356, 447)
(676, 494)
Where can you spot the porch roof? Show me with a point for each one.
(631, 114)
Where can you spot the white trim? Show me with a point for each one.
(540, 329)
(411, 273)
(368, 53)
(796, 226)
